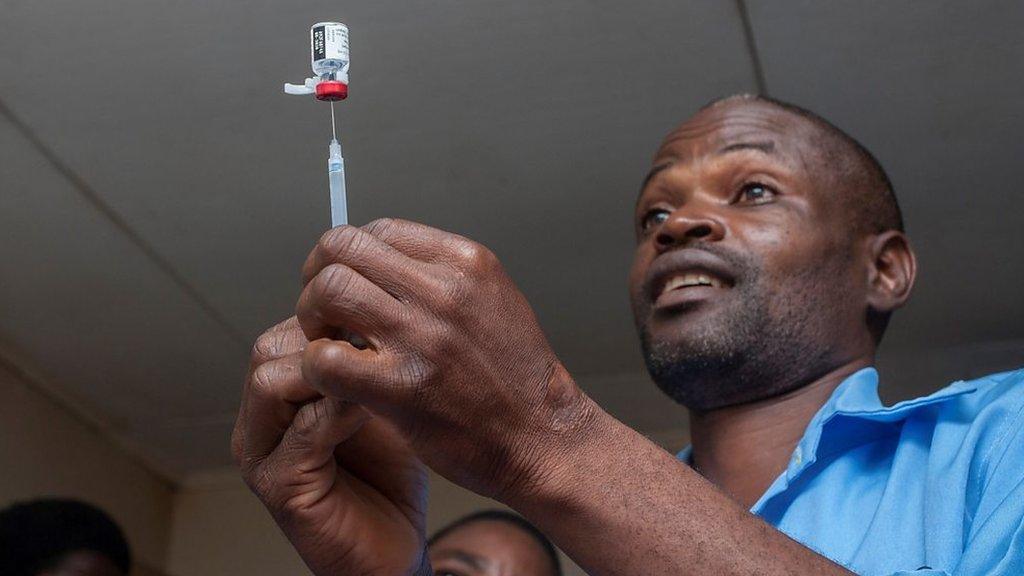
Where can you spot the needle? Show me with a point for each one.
(334, 131)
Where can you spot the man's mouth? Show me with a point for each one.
(686, 277)
(692, 279)
(687, 288)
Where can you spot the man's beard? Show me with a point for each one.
(762, 345)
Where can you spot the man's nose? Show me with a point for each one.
(686, 225)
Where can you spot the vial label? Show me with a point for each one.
(319, 49)
(336, 42)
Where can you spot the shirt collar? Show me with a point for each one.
(855, 397)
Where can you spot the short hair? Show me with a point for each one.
(507, 517)
(38, 535)
(873, 200)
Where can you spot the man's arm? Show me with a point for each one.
(618, 504)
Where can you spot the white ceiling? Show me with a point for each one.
(158, 192)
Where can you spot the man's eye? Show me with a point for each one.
(755, 193)
(653, 218)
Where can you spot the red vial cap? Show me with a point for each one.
(331, 90)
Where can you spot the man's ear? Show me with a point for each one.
(891, 272)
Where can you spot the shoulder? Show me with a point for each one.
(986, 406)
(992, 418)
(989, 409)
(977, 423)
(995, 444)
(998, 398)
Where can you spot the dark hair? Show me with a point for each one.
(867, 191)
(510, 518)
(39, 534)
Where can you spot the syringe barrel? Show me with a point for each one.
(339, 201)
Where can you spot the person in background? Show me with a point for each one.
(60, 537)
(492, 542)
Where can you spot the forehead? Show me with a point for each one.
(738, 122)
(496, 540)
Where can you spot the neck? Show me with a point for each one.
(743, 448)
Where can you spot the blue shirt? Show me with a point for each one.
(928, 486)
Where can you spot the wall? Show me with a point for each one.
(47, 451)
(220, 528)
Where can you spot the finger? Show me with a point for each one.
(284, 325)
(301, 469)
(317, 429)
(377, 261)
(341, 298)
(274, 393)
(280, 340)
(339, 370)
(435, 246)
(418, 241)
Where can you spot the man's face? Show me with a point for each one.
(746, 278)
(488, 548)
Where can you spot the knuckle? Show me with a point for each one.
(307, 420)
(317, 358)
(329, 240)
(334, 282)
(381, 226)
(458, 298)
(475, 257)
(260, 479)
(263, 380)
(475, 253)
(337, 278)
(251, 468)
(415, 371)
(265, 347)
(337, 242)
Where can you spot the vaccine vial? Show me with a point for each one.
(328, 47)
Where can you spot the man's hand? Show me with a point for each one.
(455, 357)
(343, 485)
(451, 355)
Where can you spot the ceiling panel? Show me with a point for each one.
(94, 316)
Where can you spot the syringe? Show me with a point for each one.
(328, 43)
(336, 176)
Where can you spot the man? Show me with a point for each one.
(57, 537)
(770, 255)
(492, 543)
